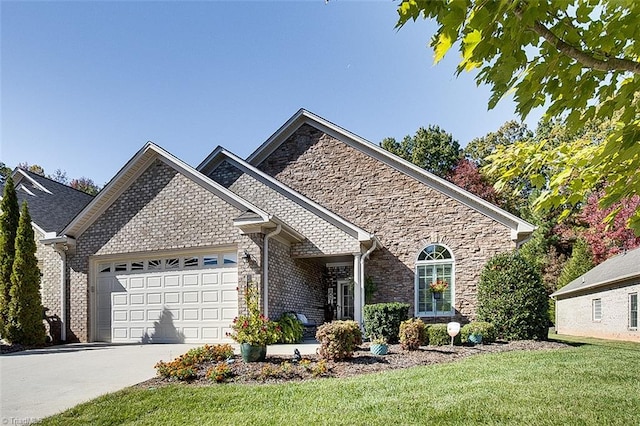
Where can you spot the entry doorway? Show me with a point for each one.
(345, 299)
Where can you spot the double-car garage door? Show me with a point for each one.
(166, 299)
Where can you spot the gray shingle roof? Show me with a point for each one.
(50, 211)
(622, 267)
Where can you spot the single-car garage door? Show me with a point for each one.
(179, 298)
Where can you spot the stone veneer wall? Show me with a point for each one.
(294, 284)
(574, 315)
(49, 263)
(405, 214)
(322, 238)
(161, 210)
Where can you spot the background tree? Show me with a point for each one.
(33, 168)
(577, 58)
(85, 185)
(579, 263)
(467, 176)
(59, 176)
(432, 149)
(606, 240)
(5, 172)
(509, 133)
(9, 219)
(24, 325)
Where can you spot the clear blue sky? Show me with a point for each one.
(85, 84)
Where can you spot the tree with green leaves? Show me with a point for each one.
(5, 172)
(24, 325)
(9, 219)
(509, 133)
(578, 59)
(432, 149)
(85, 185)
(580, 262)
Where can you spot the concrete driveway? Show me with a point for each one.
(42, 382)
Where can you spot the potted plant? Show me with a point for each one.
(254, 331)
(379, 346)
(438, 287)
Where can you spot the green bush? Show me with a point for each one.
(512, 297)
(292, 330)
(383, 319)
(413, 334)
(184, 367)
(338, 339)
(438, 336)
(486, 329)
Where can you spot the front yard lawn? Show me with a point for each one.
(594, 382)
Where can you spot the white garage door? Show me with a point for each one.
(191, 299)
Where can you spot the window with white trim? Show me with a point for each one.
(596, 309)
(633, 311)
(435, 282)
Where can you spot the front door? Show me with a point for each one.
(345, 299)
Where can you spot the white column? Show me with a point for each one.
(358, 293)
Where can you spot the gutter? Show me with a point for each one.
(265, 268)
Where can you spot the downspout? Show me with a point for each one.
(362, 259)
(265, 268)
(63, 293)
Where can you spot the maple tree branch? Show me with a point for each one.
(608, 64)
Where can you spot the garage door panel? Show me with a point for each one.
(192, 305)
(210, 278)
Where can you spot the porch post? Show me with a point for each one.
(357, 289)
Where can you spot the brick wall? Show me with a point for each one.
(321, 237)
(294, 284)
(49, 264)
(405, 214)
(161, 210)
(574, 315)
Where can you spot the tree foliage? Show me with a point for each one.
(85, 185)
(9, 219)
(512, 297)
(25, 324)
(606, 240)
(509, 133)
(467, 176)
(578, 59)
(5, 172)
(580, 262)
(432, 149)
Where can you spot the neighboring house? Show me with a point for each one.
(603, 302)
(165, 251)
(52, 205)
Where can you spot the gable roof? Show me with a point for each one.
(133, 169)
(520, 229)
(623, 267)
(52, 205)
(220, 154)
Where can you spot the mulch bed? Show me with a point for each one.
(280, 369)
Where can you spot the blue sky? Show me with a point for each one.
(85, 84)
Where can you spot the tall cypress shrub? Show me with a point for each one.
(25, 324)
(9, 218)
(580, 262)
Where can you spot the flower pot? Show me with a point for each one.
(379, 348)
(437, 295)
(475, 338)
(253, 353)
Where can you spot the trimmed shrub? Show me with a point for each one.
(486, 329)
(338, 339)
(438, 336)
(383, 320)
(292, 330)
(413, 334)
(512, 297)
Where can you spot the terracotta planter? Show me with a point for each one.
(253, 353)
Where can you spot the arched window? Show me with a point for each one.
(435, 282)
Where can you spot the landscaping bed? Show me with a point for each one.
(282, 368)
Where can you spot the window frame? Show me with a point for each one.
(631, 311)
(435, 313)
(596, 302)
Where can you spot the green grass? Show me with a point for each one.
(593, 382)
